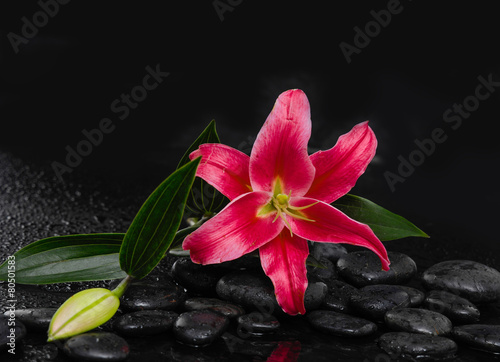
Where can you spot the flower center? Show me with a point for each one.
(281, 204)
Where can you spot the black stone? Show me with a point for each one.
(458, 309)
(474, 281)
(200, 327)
(145, 322)
(36, 319)
(101, 346)
(326, 274)
(330, 251)
(255, 291)
(315, 294)
(373, 301)
(250, 290)
(411, 346)
(216, 305)
(363, 268)
(6, 335)
(257, 323)
(340, 324)
(338, 296)
(481, 336)
(197, 278)
(148, 295)
(415, 320)
(416, 296)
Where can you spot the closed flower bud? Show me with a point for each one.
(82, 312)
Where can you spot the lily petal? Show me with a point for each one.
(223, 167)
(235, 231)
(331, 225)
(280, 149)
(338, 168)
(284, 261)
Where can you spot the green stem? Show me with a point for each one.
(122, 287)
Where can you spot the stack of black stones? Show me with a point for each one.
(232, 306)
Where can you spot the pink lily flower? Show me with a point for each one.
(280, 198)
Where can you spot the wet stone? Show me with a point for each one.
(363, 268)
(324, 274)
(145, 322)
(147, 295)
(36, 319)
(415, 320)
(340, 324)
(481, 336)
(257, 323)
(216, 305)
(373, 301)
(330, 251)
(196, 278)
(315, 294)
(338, 296)
(474, 281)
(7, 336)
(102, 346)
(250, 290)
(416, 296)
(417, 346)
(200, 327)
(458, 309)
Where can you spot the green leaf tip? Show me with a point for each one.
(385, 224)
(155, 225)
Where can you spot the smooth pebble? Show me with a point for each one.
(199, 327)
(340, 324)
(416, 320)
(458, 309)
(471, 280)
(102, 346)
(481, 336)
(417, 346)
(145, 322)
(363, 268)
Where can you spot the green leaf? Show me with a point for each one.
(70, 258)
(385, 224)
(155, 225)
(204, 198)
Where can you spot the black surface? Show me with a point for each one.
(66, 77)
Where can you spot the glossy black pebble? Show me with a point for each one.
(331, 251)
(373, 301)
(145, 295)
(257, 323)
(481, 336)
(145, 322)
(419, 346)
(338, 296)
(9, 339)
(471, 280)
(340, 324)
(97, 347)
(199, 328)
(325, 274)
(36, 319)
(363, 268)
(417, 320)
(458, 309)
(251, 290)
(216, 305)
(416, 296)
(197, 278)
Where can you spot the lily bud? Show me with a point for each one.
(82, 312)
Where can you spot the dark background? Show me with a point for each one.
(428, 58)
